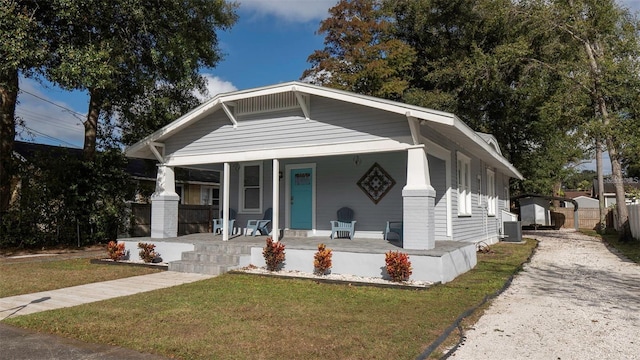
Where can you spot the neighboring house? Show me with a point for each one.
(306, 151)
(609, 192)
(584, 202)
(195, 187)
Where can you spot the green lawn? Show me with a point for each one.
(34, 276)
(630, 249)
(249, 317)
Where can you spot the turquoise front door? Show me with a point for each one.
(301, 198)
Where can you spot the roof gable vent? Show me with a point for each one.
(268, 103)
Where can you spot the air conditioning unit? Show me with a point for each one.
(512, 231)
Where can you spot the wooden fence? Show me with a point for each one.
(191, 219)
(587, 218)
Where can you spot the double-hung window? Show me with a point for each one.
(251, 188)
(464, 185)
(491, 193)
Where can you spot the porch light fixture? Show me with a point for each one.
(356, 160)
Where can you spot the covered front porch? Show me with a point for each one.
(304, 194)
(209, 253)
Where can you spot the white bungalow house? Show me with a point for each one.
(306, 151)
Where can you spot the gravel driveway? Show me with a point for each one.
(576, 299)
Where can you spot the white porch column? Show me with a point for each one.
(164, 205)
(225, 201)
(275, 225)
(418, 203)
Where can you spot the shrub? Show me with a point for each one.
(147, 252)
(322, 260)
(398, 266)
(115, 250)
(273, 254)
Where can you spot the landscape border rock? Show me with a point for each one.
(340, 279)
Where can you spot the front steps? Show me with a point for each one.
(288, 234)
(213, 258)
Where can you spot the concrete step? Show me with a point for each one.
(223, 248)
(200, 267)
(295, 233)
(213, 258)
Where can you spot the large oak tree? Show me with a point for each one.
(118, 51)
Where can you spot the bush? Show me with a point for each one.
(115, 250)
(147, 252)
(273, 255)
(322, 260)
(65, 201)
(398, 266)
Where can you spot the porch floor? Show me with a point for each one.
(357, 245)
(362, 257)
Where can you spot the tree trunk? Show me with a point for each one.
(624, 231)
(91, 125)
(623, 227)
(8, 96)
(600, 172)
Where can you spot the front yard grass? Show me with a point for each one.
(630, 249)
(240, 316)
(17, 278)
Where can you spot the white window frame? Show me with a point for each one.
(463, 168)
(491, 193)
(242, 188)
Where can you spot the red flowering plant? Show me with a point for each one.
(273, 254)
(322, 260)
(147, 252)
(398, 266)
(115, 250)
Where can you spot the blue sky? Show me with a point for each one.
(269, 44)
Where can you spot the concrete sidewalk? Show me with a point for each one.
(83, 294)
(17, 343)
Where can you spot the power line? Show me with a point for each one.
(73, 112)
(43, 118)
(52, 103)
(50, 137)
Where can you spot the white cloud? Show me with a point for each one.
(633, 5)
(290, 10)
(215, 86)
(45, 122)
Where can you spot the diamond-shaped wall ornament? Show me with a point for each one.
(376, 183)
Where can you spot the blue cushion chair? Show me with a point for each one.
(260, 225)
(344, 225)
(216, 224)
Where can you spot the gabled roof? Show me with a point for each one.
(482, 145)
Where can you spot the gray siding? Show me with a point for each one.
(337, 179)
(234, 198)
(437, 173)
(332, 122)
(336, 186)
